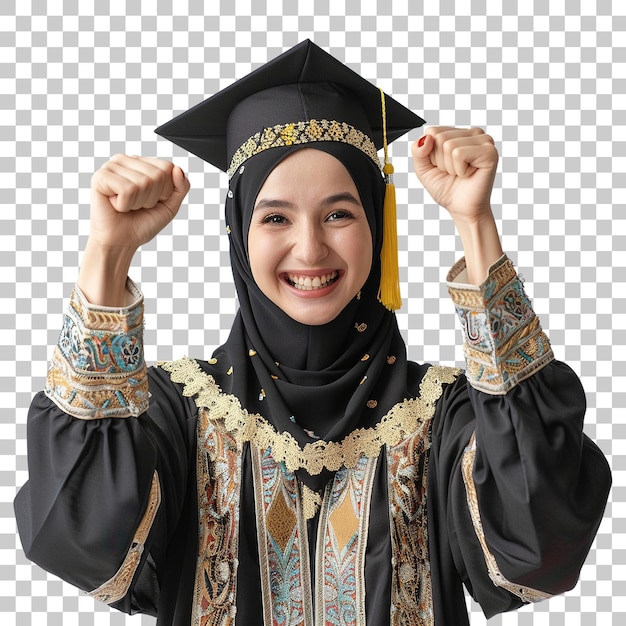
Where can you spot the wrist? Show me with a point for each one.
(481, 246)
(103, 274)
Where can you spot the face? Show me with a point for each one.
(309, 244)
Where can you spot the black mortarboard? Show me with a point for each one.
(279, 100)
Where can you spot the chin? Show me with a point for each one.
(312, 317)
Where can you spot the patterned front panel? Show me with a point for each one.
(283, 545)
(219, 479)
(411, 598)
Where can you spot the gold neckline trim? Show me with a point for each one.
(400, 422)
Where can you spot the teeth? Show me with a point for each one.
(308, 283)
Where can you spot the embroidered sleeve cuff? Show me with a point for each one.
(503, 340)
(98, 368)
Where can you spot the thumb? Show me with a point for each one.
(421, 151)
(181, 187)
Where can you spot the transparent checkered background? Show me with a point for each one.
(80, 81)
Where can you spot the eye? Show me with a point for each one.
(339, 214)
(274, 218)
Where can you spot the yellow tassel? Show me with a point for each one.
(389, 290)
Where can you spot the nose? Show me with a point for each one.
(310, 247)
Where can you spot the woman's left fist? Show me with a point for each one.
(457, 167)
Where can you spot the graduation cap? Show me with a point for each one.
(302, 96)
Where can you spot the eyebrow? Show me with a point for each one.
(277, 203)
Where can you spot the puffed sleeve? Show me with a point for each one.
(520, 489)
(109, 450)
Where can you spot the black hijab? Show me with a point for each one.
(314, 382)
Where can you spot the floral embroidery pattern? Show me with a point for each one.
(402, 420)
(97, 369)
(411, 586)
(504, 342)
(296, 133)
(219, 478)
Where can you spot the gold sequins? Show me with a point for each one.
(212, 361)
(361, 327)
(251, 352)
(274, 377)
(228, 229)
(391, 360)
(372, 404)
(262, 394)
(230, 371)
(365, 357)
(363, 380)
(358, 295)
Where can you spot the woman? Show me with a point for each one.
(308, 473)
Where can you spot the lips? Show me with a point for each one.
(311, 283)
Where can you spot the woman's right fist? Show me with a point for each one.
(132, 199)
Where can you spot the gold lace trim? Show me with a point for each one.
(296, 133)
(311, 501)
(526, 594)
(117, 587)
(401, 421)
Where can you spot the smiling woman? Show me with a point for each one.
(309, 243)
(307, 472)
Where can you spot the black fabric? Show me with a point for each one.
(378, 556)
(318, 386)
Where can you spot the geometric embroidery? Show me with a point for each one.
(343, 533)
(344, 522)
(283, 543)
(281, 521)
(504, 342)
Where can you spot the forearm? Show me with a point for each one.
(103, 273)
(481, 245)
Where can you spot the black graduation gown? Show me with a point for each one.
(542, 486)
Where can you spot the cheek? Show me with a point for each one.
(358, 251)
(263, 254)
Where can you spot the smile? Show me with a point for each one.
(311, 283)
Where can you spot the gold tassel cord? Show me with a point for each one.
(389, 290)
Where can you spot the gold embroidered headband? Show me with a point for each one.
(297, 133)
